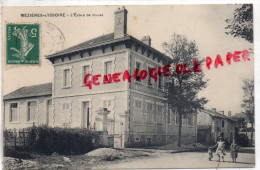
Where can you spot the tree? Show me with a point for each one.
(248, 104)
(241, 123)
(241, 25)
(182, 89)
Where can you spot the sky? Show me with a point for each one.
(203, 23)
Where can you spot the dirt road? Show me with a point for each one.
(184, 160)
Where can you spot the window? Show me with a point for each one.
(138, 66)
(149, 77)
(138, 104)
(66, 114)
(169, 117)
(85, 114)
(13, 117)
(223, 123)
(150, 114)
(32, 106)
(107, 104)
(149, 107)
(110, 128)
(190, 120)
(85, 71)
(108, 67)
(160, 82)
(66, 78)
(160, 112)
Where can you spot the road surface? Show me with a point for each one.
(183, 160)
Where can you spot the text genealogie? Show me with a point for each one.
(162, 71)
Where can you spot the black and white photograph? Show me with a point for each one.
(128, 86)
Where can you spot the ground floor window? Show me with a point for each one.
(32, 108)
(160, 113)
(86, 114)
(190, 120)
(13, 117)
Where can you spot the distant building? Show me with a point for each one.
(248, 126)
(27, 106)
(132, 114)
(212, 124)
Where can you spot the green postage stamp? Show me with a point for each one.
(22, 44)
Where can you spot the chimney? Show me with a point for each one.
(214, 109)
(120, 28)
(146, 40)
(229, 113)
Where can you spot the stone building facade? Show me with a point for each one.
(212, 124)
(28, 106)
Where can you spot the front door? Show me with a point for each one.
(85, 114)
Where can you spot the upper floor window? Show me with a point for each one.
(66, 78)
(149, 77)
(13, 117)
(108, 67)
(107, 104)
(85, 71)
(223, 123)
(138, 66)
(32, 109)
(160, 82)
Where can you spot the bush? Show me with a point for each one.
(65, 141)
(12, 152)
(242, 140)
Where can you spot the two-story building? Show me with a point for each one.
(212, 124)
(132, 113)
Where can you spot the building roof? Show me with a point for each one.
(217, 114)
(30, 91)
(84, 45)
(100, 41)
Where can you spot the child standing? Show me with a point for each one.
(210, 153)
(233, 151)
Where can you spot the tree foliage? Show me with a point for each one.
(241, 25)
(241, 123)
(248, 103)
(182, 89)
(248, 99)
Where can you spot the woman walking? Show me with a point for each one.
(220, 151)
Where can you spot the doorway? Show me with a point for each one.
(85, 115)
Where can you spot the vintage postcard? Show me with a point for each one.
(128, 87)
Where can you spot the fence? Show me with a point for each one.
(12, 138)
(45, 139)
